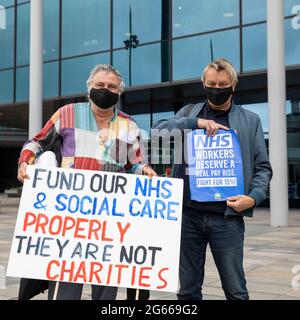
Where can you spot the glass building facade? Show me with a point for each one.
(159, 46)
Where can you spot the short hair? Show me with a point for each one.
(221, 65)
(107, 68)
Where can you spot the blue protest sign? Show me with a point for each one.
(215, 165)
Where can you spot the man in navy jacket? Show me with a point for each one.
(219, 224)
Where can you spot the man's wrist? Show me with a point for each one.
(253, 200)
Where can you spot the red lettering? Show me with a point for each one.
(64, 271)
(96, 267)
(109, 273)
(162, 279)
(79, 228)
(120, 267)
(94, 227)
(142, 276)
(29, 220)
(122, 231)
(133, 275)
(41, 222)
(68, 226)
(48, 275)
(81, 272)
(104, 232)
(59, 221)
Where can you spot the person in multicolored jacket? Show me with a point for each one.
(94, 135)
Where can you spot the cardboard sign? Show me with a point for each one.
(98, 227)
(215, 165)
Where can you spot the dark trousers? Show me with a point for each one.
(225, 236)
(73, 291)
(142, 295)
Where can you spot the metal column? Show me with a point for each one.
(36, 67)
(277, 115)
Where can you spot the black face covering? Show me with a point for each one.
(218, 96)
(103, 98)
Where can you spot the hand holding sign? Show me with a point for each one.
(210, 126)
(147, 170)
(22, 174)
(240, 203)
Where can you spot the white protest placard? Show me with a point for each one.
(98, 227)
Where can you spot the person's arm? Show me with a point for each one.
(261, 178)
(179, 122)
(41, 142)
(136, 154)
(262, 168)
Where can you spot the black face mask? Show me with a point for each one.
(103, 98)
(218, 96)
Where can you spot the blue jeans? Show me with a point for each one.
(225, 236)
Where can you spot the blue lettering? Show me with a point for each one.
(214, 141)
(170, 210)
(154, 188)
(104, 207)
(164, 185)
(140, 187)
(75, 203)
(226, 140)
(134, 214)
(89, 199)
(58, 200)
(114, 210)
(146, 209)
(162, 205)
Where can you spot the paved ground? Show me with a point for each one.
(271, 254)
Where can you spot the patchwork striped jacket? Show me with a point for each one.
(83, 146)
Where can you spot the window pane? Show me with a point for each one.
(22, 93)
(191, 55)
(50, 30)
(254, 43)
(7, 40)
(6, 85)
(143, 122)
(145, 20)
(85, 26)
(23, 30)
(76, 71)
(261, 109)
(6, 3)
(254, 10)
(190, 16)
(145, 64)
(50, 80)
(292, 43)
(290, 7)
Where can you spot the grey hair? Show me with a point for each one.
(222, 65)
(107, 68)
